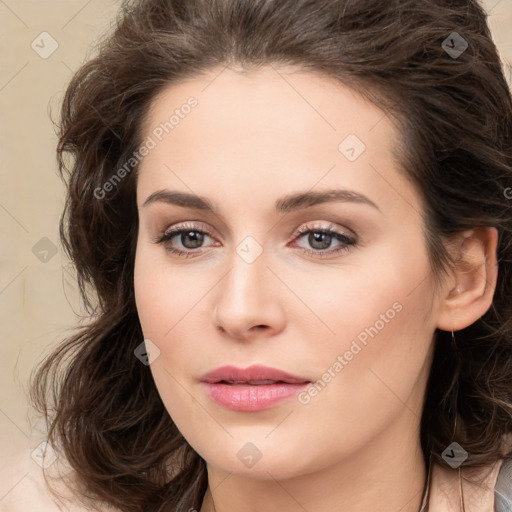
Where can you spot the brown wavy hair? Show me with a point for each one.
(101, 405)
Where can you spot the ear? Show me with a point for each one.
(470, 292)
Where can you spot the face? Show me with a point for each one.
(334, 290)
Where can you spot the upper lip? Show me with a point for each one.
(252, 374)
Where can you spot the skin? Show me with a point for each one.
(253, 138)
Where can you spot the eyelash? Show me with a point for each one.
(346, 240)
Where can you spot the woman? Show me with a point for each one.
(296, 218)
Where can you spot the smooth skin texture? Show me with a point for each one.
(254, 138)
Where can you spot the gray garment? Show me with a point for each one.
(503, 489)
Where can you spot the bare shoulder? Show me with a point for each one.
(23, 487)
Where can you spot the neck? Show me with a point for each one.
(387, 474)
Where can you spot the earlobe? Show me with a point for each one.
(475, 275)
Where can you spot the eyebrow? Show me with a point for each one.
(288, 203)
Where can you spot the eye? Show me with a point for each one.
(188, 235)
(321, 238)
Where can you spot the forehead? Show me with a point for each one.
(278, 127)
(285, 100)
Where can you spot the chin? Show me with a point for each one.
(260, 458)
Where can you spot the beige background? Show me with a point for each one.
(38, 298)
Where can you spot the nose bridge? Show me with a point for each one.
(246, 296)
(245, 282)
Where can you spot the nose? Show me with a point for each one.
(248, 302)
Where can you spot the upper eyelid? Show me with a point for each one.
(326, 227)
(194, 226)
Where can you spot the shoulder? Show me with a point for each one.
(484, 489)
(23, 487)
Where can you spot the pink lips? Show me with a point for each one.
(251, 389)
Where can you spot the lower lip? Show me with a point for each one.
(252, 398)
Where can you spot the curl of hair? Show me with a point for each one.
(455, 119)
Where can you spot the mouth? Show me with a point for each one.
(251, 389)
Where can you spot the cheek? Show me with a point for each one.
(162, 303)
(171, 305)
(381, 317)
(376, 364)
(164, 293)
